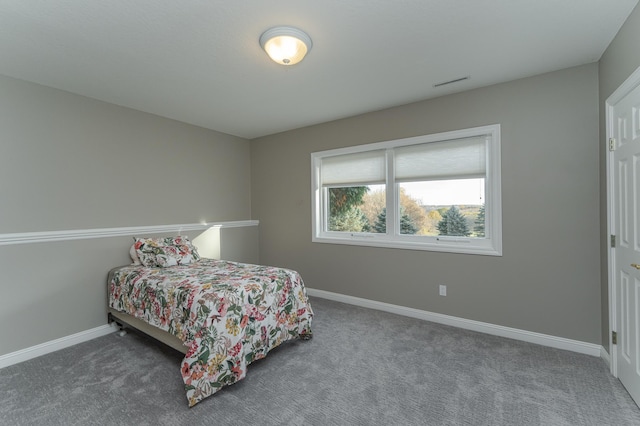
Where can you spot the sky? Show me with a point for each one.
(445, 192)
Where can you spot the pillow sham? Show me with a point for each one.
(134, 255)
(167, 251)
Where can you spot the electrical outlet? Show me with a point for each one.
(443, 290)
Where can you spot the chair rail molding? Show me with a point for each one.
(83, 234)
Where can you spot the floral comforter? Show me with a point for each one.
(228, 314)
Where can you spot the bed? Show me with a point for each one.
(222, 315)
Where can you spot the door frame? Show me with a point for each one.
(625, 88)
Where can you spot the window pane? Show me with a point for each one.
(357, 209)
(452, 207)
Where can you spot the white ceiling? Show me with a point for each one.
(199, 61)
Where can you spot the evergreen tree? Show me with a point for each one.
(479, 223)
(352, 220)
(343, 199)
(381, 222)
(406, 223)
(453, 223)
(407, 227)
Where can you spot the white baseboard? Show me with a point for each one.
(54, 345)
(482, 327)
(605, 356)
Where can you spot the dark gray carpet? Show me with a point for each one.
(363, 367)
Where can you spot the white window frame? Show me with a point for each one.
(490, 245)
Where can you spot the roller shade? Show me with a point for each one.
(461, 158)
(362, 168)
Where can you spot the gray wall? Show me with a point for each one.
(69, 162)
(618, 62)
(234, 243)
(548, 279)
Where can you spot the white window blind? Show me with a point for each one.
(462, 158)
(362, 168)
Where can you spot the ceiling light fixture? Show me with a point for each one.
(286, 45)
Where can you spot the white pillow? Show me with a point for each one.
(134, 255)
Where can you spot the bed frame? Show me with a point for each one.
(125, 320)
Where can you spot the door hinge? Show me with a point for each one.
(614, 338)
(612, 144)
(613, 241)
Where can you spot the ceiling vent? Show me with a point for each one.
(452, 81)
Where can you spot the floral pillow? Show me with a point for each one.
(163, 252)
(134, 255)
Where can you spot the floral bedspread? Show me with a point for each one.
(228, 314)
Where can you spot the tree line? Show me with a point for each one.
(355, 209)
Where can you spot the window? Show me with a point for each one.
(436, 192)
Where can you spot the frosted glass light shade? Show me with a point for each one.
(285, 45)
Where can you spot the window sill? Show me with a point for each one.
(448, 245)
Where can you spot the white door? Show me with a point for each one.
(624, 128)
